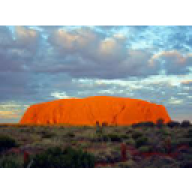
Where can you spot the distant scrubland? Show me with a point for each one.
(140, 145)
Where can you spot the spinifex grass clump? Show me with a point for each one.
(145, 149)
(6, 143)
(114, 137)
(68, 158)
(136, 135)
(99, 130)
(141, 141)
(11, 161)
(70, 135)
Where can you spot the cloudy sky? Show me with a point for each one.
(43, 63)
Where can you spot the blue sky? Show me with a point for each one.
(43, 63)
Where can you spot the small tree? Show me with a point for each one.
(97, 123)
(185, 123)
(99, 129)
(160, 123)
(172, 124)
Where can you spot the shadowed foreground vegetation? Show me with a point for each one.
(140, 145)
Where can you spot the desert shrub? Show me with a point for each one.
(189, 135)
(130, 141)
(164, 132)
(108, 156)
(141, 141)
(128, 164)
(68, 158)
(47, 135)
(143, 124)
(185, 123)
(168, 145)
(11, 161)
(145, 149)
(114, 137)
(136, 135)
(157, 161)
(159, 149)
(6, 143)
(99, 130)
(84, 145)
(74, 142)
(172, 124)
(70, 135)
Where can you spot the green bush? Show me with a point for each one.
(99, 130)
(164, 132)
(130, 141)
(68, 158)
(136, 135)
(141, 141)
(6, 143)
(11, 161)
(47, 135)
(114, 137)
(70, 135)
(145, 149)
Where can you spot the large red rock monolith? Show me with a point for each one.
(90, 110)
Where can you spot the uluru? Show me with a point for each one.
(93, 110)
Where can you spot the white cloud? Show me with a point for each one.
(60, 95)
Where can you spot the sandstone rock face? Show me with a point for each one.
(88, 111)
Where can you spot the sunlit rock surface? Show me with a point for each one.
(88, 111)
